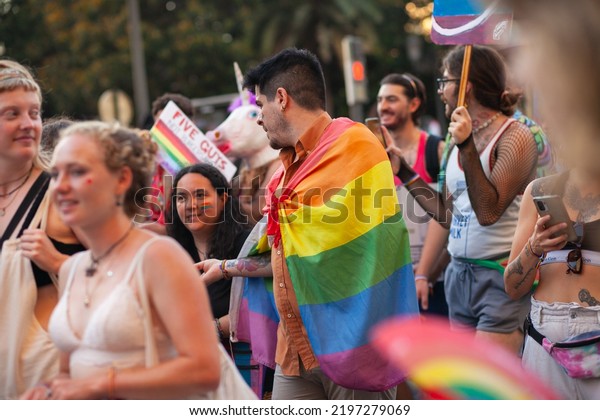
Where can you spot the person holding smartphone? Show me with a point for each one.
(566, 301)
(401, 102)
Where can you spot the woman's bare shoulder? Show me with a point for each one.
(544, 186)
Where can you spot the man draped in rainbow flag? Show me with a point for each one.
(336, 245)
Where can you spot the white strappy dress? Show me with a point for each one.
(114, 335)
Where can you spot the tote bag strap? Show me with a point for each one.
(137, 270)
(35, 193)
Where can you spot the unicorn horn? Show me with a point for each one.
(239, 78)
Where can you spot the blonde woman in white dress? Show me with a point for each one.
(129, 279)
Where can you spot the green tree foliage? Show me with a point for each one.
(79, 48)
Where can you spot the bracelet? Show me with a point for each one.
(46, 386)
(220, 332)
(224, 270)
(422, 277)
(112, 373)
(465, 143)
(411, 181)
(540, 256)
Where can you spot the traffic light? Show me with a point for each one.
(355, 75)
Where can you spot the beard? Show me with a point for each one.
(275, 144)
(280, 134)
(398, 121)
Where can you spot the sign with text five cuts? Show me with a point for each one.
(181, 143)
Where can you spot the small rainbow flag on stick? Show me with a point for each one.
(453, 365)
(181, 143)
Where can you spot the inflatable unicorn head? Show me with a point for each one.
(239, 136)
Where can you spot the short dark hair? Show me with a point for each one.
(183, 102)
(413, 88)
(487, 75)
(297, 71)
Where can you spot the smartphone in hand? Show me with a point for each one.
(553, 205)
(374, 125)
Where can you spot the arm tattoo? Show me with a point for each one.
(249, 265)
(586, 297)
(516, 267)
(537, 189)
(520, 282)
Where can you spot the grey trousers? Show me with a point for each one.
(314, 385)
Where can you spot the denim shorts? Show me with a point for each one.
(559, 321)
(476, 299)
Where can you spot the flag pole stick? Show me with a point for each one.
(464, 77)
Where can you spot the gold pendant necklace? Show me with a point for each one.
(93, 268)
(94, 261)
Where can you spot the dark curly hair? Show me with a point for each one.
(231, 225)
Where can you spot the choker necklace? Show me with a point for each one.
(3, 209)
(2, 184)
(91, 270)
(486, 124)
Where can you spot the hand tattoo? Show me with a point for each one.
(586, 297)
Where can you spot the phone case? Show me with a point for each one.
(374, 125)
(553, 205)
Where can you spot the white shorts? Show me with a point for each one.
(559, 321)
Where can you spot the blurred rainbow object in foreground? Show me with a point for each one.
(453, 365)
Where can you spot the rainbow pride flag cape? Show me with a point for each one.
(253, 316)
(347, 253)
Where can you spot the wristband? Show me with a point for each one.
(540, 256)
(422, 277)
(224, 270)
(411, 181)
(465, 143)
